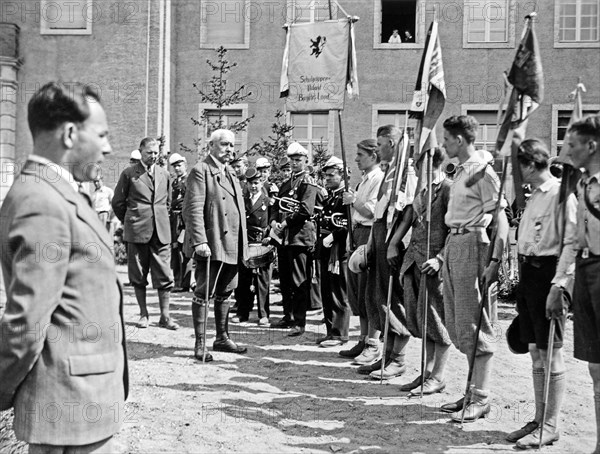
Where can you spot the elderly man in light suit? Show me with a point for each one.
(141, 202)
(63, 364)
(215, 234)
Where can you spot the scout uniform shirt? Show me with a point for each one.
(588, 211)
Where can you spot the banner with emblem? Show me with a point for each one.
(319, 65)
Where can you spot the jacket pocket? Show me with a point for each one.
(102, 363)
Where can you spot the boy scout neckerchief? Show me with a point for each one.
(588, 203)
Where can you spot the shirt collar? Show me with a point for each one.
(547, 185)
(478, 157)
(372, 173)
(62, 172)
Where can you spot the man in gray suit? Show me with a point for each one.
(63, 364)
(215, 233)
(141, 202)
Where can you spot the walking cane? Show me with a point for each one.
(207, 297)
(429, 170)
(547, 377)
(387, 323)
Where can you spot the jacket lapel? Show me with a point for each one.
(143, 176)
(216, 170)
(84, 212)
(258, 205)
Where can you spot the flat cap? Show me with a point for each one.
(262, 163)
(284, 162)
(252, 174)
(295, 149)
(175, 158)
(135, 154)
(334, 162)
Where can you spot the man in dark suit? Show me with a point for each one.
(299, 236)
(63, 343)
(257, 280)
(141, 202)
(215, 226)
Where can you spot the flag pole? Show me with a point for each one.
(424, 277)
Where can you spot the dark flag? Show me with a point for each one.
(527, 79)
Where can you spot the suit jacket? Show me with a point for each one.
(301, 230)
(257, 217)
(142, 205)
(63, 363)
(213, 214)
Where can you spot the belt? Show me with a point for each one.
(538, 261)
(586, 254)
(463, 230)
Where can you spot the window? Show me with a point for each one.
(225, 23)
(488, 23)
(229, 116)
(66, 17)
(393, 114)
(312, 129)
(487, 116)
(561, 115)
(311, 10)
(577, 23)
(401, 24)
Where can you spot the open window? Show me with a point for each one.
(401, 24)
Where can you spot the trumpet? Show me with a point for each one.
(288, 204)
(338, 220)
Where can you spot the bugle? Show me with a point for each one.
(288, 204)
(338, 220)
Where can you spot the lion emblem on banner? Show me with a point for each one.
(317, 45)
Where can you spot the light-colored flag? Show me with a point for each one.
(319, 65)
(429, 97)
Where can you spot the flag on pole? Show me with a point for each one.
(570, 175)
(319, 65)
(527, 79)
(429, 97)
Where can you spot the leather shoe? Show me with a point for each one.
(354, 351)
(168, 323)
(283, 323)
(533, 439)
(263, 322)
(228, 346)
(431, 386)
(453, 406)
(333, 342)
(413, 384)
(323, 339)
(473, 412)
(142, 322)
(366, 369)
(520, 433)
(392, 369)
(237, 319)
(296, 331)
(198, 356)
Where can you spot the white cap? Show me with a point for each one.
(135, 154)
(175, 158)
(261, 163)
(296, 149)
(334, 162)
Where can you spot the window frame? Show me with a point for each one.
(420, 26)
(204, 30)
(556, 109)
(202, 130)
(291, 11)
(571, 44)
(45, 25)
(331, 114)
(510, 25)
(376, 108)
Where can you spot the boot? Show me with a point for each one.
(198, 314)
(165, 319)
(223, 343)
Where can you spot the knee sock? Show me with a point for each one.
(556, 393)
(480, 396)
(538, 392)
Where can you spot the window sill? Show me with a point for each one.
(66, 31)
(577, 44)
(401, 46)
(486, 45)
(214, 46)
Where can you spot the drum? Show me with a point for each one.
(259, 255)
